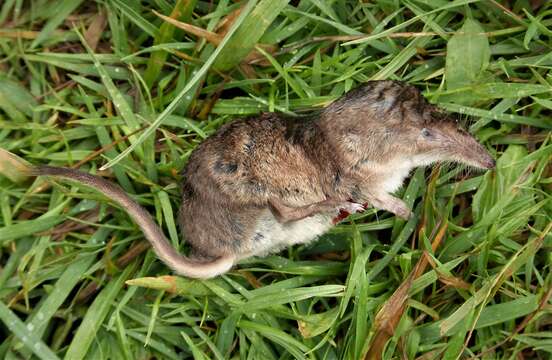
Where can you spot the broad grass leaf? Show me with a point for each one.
(508, 166)
(96, 314)
(506, 311)
(456, 342)
(63, 9)
(468, 55)
(15, 99)
(317, 324)
(491, 286)
(182, 10)
(491, 315)
(173, 284)
(497, 90)
(188, 87)
(249, 33)
(225, 336)
(292, 345)
(18, 328)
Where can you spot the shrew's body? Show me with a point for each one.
(260, 184)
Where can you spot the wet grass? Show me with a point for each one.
(132, 87)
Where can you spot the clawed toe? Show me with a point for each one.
(352, 207)
(405, 215)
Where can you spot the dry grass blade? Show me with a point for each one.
(532, 247)
(248, 35)
(13, 167)
(25, 34)
(390, 314)
(212, 37)
(542, 304)
(94, 32)
(387, 319)
(189, 85)
(108, 147)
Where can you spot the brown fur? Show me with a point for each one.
(273, 171)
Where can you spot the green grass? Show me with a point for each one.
(111, 85)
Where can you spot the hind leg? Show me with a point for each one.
(286, 213)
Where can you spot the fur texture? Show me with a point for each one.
(263, 183)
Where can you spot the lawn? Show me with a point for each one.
(128, 88)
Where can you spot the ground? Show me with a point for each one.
(134, 86)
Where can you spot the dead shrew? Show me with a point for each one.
(264, 183)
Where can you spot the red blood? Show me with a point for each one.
(342, 215)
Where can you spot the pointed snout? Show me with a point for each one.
(488, 163)
(476, 155)
(464, 148)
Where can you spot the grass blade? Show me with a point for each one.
(27, 337)
(95, 316)
(195, 79)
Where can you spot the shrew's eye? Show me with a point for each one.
(426, 133)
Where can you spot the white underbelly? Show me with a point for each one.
(272, 236)
(394, 180)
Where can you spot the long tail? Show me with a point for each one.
(182, 265)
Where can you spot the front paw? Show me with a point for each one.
(395, 206)
(402, 211)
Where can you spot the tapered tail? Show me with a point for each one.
(182, 265)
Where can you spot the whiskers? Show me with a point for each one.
(465, 171)
(452, 170)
